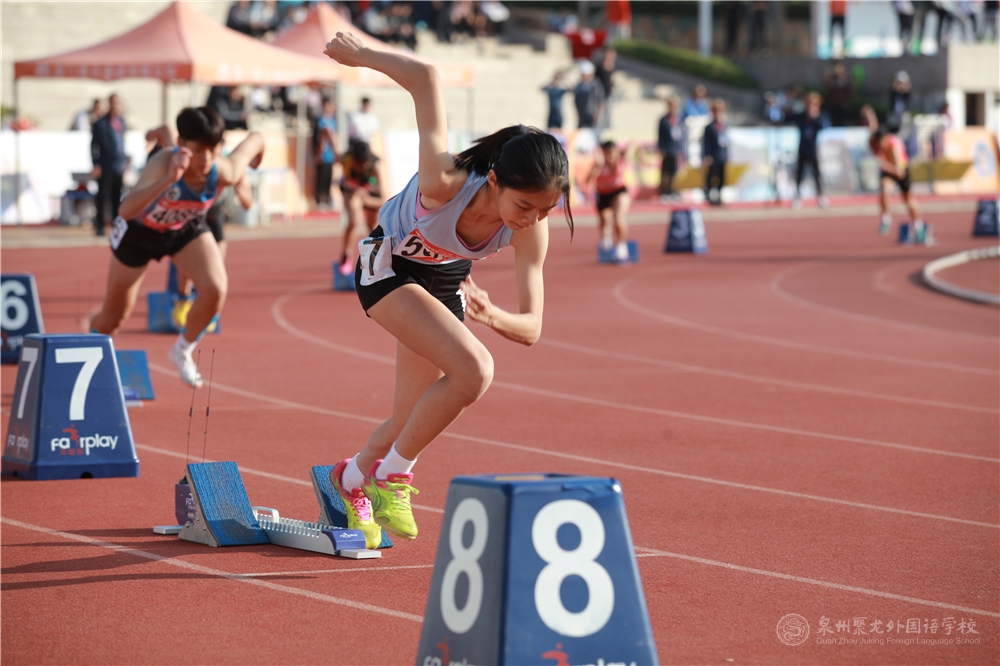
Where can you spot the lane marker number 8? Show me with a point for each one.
(560, 563)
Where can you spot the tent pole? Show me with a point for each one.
(341, 115)
(17, 155)
(300, 144)
(163, 103)
(193, 98)
(471, 98)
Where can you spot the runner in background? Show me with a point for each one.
(608, 178)
(364, 193)
(165, 214)
(894, 167)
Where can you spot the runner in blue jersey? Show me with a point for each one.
(413, 279)
(164, 214)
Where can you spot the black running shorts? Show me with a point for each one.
(607, 200)
(441, 281)
(904, 182)
(135, 244)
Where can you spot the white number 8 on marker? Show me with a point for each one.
(579, 562)
(464, 560)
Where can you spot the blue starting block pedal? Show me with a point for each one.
(686, 232)
(342, 282)
(987, 220)
(133, 369)
(331, 505)
(906, 235)
(68, 418)
(21, 313)
(217, 512)
(159, 316)
(535, 567)
(607, 255)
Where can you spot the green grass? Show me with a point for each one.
(712, 68)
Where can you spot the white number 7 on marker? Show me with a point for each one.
(90, 357)
(28, 355)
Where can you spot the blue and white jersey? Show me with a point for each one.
(433, 238)
(180, 204)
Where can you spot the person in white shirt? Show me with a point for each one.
(83, 121)
(362, 124)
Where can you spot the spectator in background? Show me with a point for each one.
(732, 11)
(945, 18)
(838, 18)
(906, 12)
(588, 96)
(229, 102)
(809, 122)
(603, 72)
(697, 105)
(239, 17)
(84, 120)
(496, 16)
(758, 29)
(362, 124)
(715, 153)
(899, 97)
(107, 150)
(991, 16)
(618, 14)
(563, 22)
(839, 94)
(264, 18)
(670, 142)
(325, 152)
(555, 91)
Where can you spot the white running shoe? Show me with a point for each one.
(621, 252)
(186, 365)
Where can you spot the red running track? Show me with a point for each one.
(798, 425)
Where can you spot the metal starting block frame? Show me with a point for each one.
(220, 514)
(316, 537)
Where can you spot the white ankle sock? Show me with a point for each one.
(886, 218)
(394, 463)
(183, 345)
(352, 477)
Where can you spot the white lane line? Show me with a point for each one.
(619, 295)
(311, 572)
(934, 300)
(650, 552)
(776, 289)
(255, 472)
(292, 329)
(584, 459)
(686, 367)
(208, 571)
(737, 424)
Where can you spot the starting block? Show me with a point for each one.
(68, 418)
(342, 282)
(686, 232)
(331, 505)
(133, 369)
(536, 567)
(21, 313)
(607, 255)
(216, 512)
(987, 221)
(906, 234)
(159, 315)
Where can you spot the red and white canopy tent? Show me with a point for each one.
(181, 44)
(322, 23)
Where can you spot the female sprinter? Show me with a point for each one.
(164, 214)
(608, 178)
(413, 279)
(364, 193)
